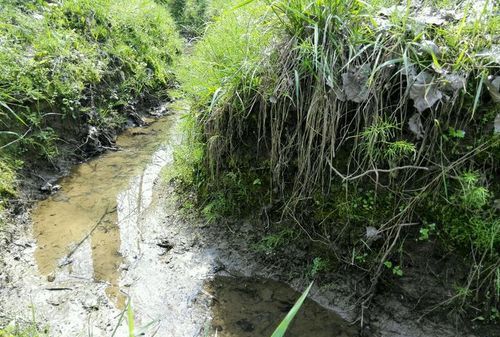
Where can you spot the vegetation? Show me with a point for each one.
(283, 326)
(191, 16)
(368, 131)
(365, 127)
(74, 71)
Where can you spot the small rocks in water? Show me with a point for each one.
(51, 277)
(165, 244)
(54, 303)
(48, 187)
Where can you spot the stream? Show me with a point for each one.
(113, 233)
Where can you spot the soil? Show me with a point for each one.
(116, 231)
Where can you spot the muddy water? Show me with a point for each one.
(84, 230)
(248, 307)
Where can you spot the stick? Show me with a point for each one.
(106, 212)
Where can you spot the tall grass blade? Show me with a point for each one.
(281, 329)
(130, 319)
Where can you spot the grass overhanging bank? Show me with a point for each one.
(73, 73)
(369, 129)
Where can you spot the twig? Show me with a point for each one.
(106, 212)
(354, 177)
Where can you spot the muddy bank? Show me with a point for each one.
(115, 230)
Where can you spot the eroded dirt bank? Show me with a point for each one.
(115, 231)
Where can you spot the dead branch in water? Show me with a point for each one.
(68, 256)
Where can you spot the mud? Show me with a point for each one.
(115, 232)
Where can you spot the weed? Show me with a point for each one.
(272, 242)
(426, 231)
(367, 120)
(283, 326)
(396, 270)
(318, 265)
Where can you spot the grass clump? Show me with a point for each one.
(363, 124)
(210, 76)
(74, 71)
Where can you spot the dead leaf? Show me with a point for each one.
(453, 82)
(424, 91)
(355, 83)
(430, 47)
(493, 85)
(415, 125)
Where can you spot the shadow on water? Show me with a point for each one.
(249, 307)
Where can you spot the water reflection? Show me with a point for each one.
(84, 229)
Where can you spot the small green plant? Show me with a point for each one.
(456, 133)
(318, 265)
(132, 329)
(31, 329)
(473, 195)
(426, 231)
(396, 270)
(274, 241)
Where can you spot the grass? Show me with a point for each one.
(283, 326)
(30, 329)
(191, 16)
(351, 119)
(76, 66)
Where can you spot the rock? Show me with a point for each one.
(51, 277)
(415, 125)
(48, 187)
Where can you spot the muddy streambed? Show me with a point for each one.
(113, 232)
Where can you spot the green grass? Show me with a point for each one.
(191, 16)
(285, 323)
(78, 64)
(350, 119)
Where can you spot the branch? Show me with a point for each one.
(354, 177)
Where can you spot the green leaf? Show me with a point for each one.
(130, 319)
(281, 329)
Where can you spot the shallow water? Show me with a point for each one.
(84, 230)
(249, 307)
